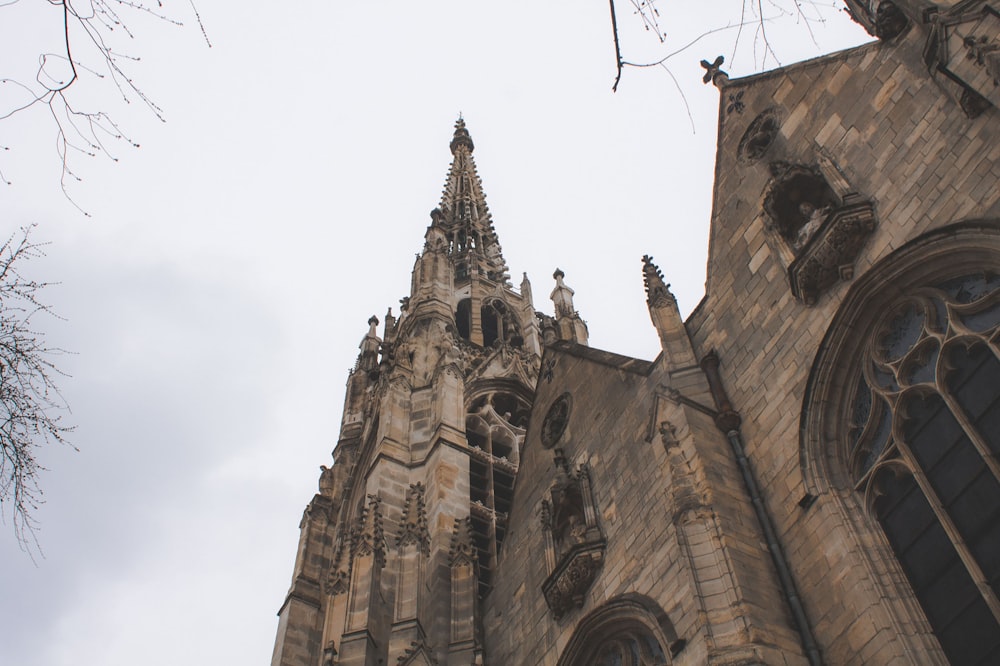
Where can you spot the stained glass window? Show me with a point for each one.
(925, 452)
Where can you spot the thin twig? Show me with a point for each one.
(618, 50)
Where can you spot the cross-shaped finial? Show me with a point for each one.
(712, 69)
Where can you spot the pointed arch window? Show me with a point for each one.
(924, 452)
(495, 428)
(627, 631)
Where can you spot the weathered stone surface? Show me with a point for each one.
(645, 535)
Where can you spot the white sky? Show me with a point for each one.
(215, 298)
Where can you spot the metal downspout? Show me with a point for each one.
(728, 421)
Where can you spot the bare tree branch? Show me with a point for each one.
(91, 31)
(757, 14)
(31, 407)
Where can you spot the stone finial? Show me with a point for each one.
(714, 73)
(437, 217)
(461, 138)
(326, 481)
(562, 296)
(526, 288)
(368, 358)
(657, 291)
(390, 325)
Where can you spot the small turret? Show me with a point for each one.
(666, 317)
(364, 373)
(368, 358)
(571, 327)
(526, 290)
(389, 331)
(433, 274)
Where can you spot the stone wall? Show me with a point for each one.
(899, 140)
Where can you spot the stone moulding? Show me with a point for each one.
(567, 585)
(829, 255)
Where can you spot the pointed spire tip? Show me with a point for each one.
(461, 137)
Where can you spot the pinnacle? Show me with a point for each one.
(461, 138)
(656, 289)
(463, 215)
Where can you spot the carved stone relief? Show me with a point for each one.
(758, 138)
(816, 224)
(556, 420)
(575, 544)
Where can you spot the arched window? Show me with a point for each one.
(628, 631)
(903, 407)
(494, 428)
(463, 318)
(925, 451)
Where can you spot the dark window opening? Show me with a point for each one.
(463, 319)
(491, 324)
(479, 482)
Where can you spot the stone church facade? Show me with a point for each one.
(808, 473)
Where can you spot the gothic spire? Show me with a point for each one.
(463, 214)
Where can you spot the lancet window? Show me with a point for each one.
(924, 450)
(494, 427)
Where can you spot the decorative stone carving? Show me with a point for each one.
(463, 550)
(963, 54)
(890, 21)
(829, 255)
(575, 545)
(337, 582)
(548, 370)
(758, 138)
(556, 420)
(736, 103)
(413, 528)
(368, 536)
(816, 224)
(566, 587)
(417, 653)
(714, 73)
(657, 291)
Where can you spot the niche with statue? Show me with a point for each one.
(816, 224)
(574, 542)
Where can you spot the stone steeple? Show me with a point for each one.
(434, 421)
(464, 217)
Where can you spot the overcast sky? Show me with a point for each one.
(216, 295)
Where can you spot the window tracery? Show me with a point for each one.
(631, 630)
(924, 445)
(495, 428)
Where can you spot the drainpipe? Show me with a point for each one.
(728, 421)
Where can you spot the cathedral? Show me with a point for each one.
(807, 473)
